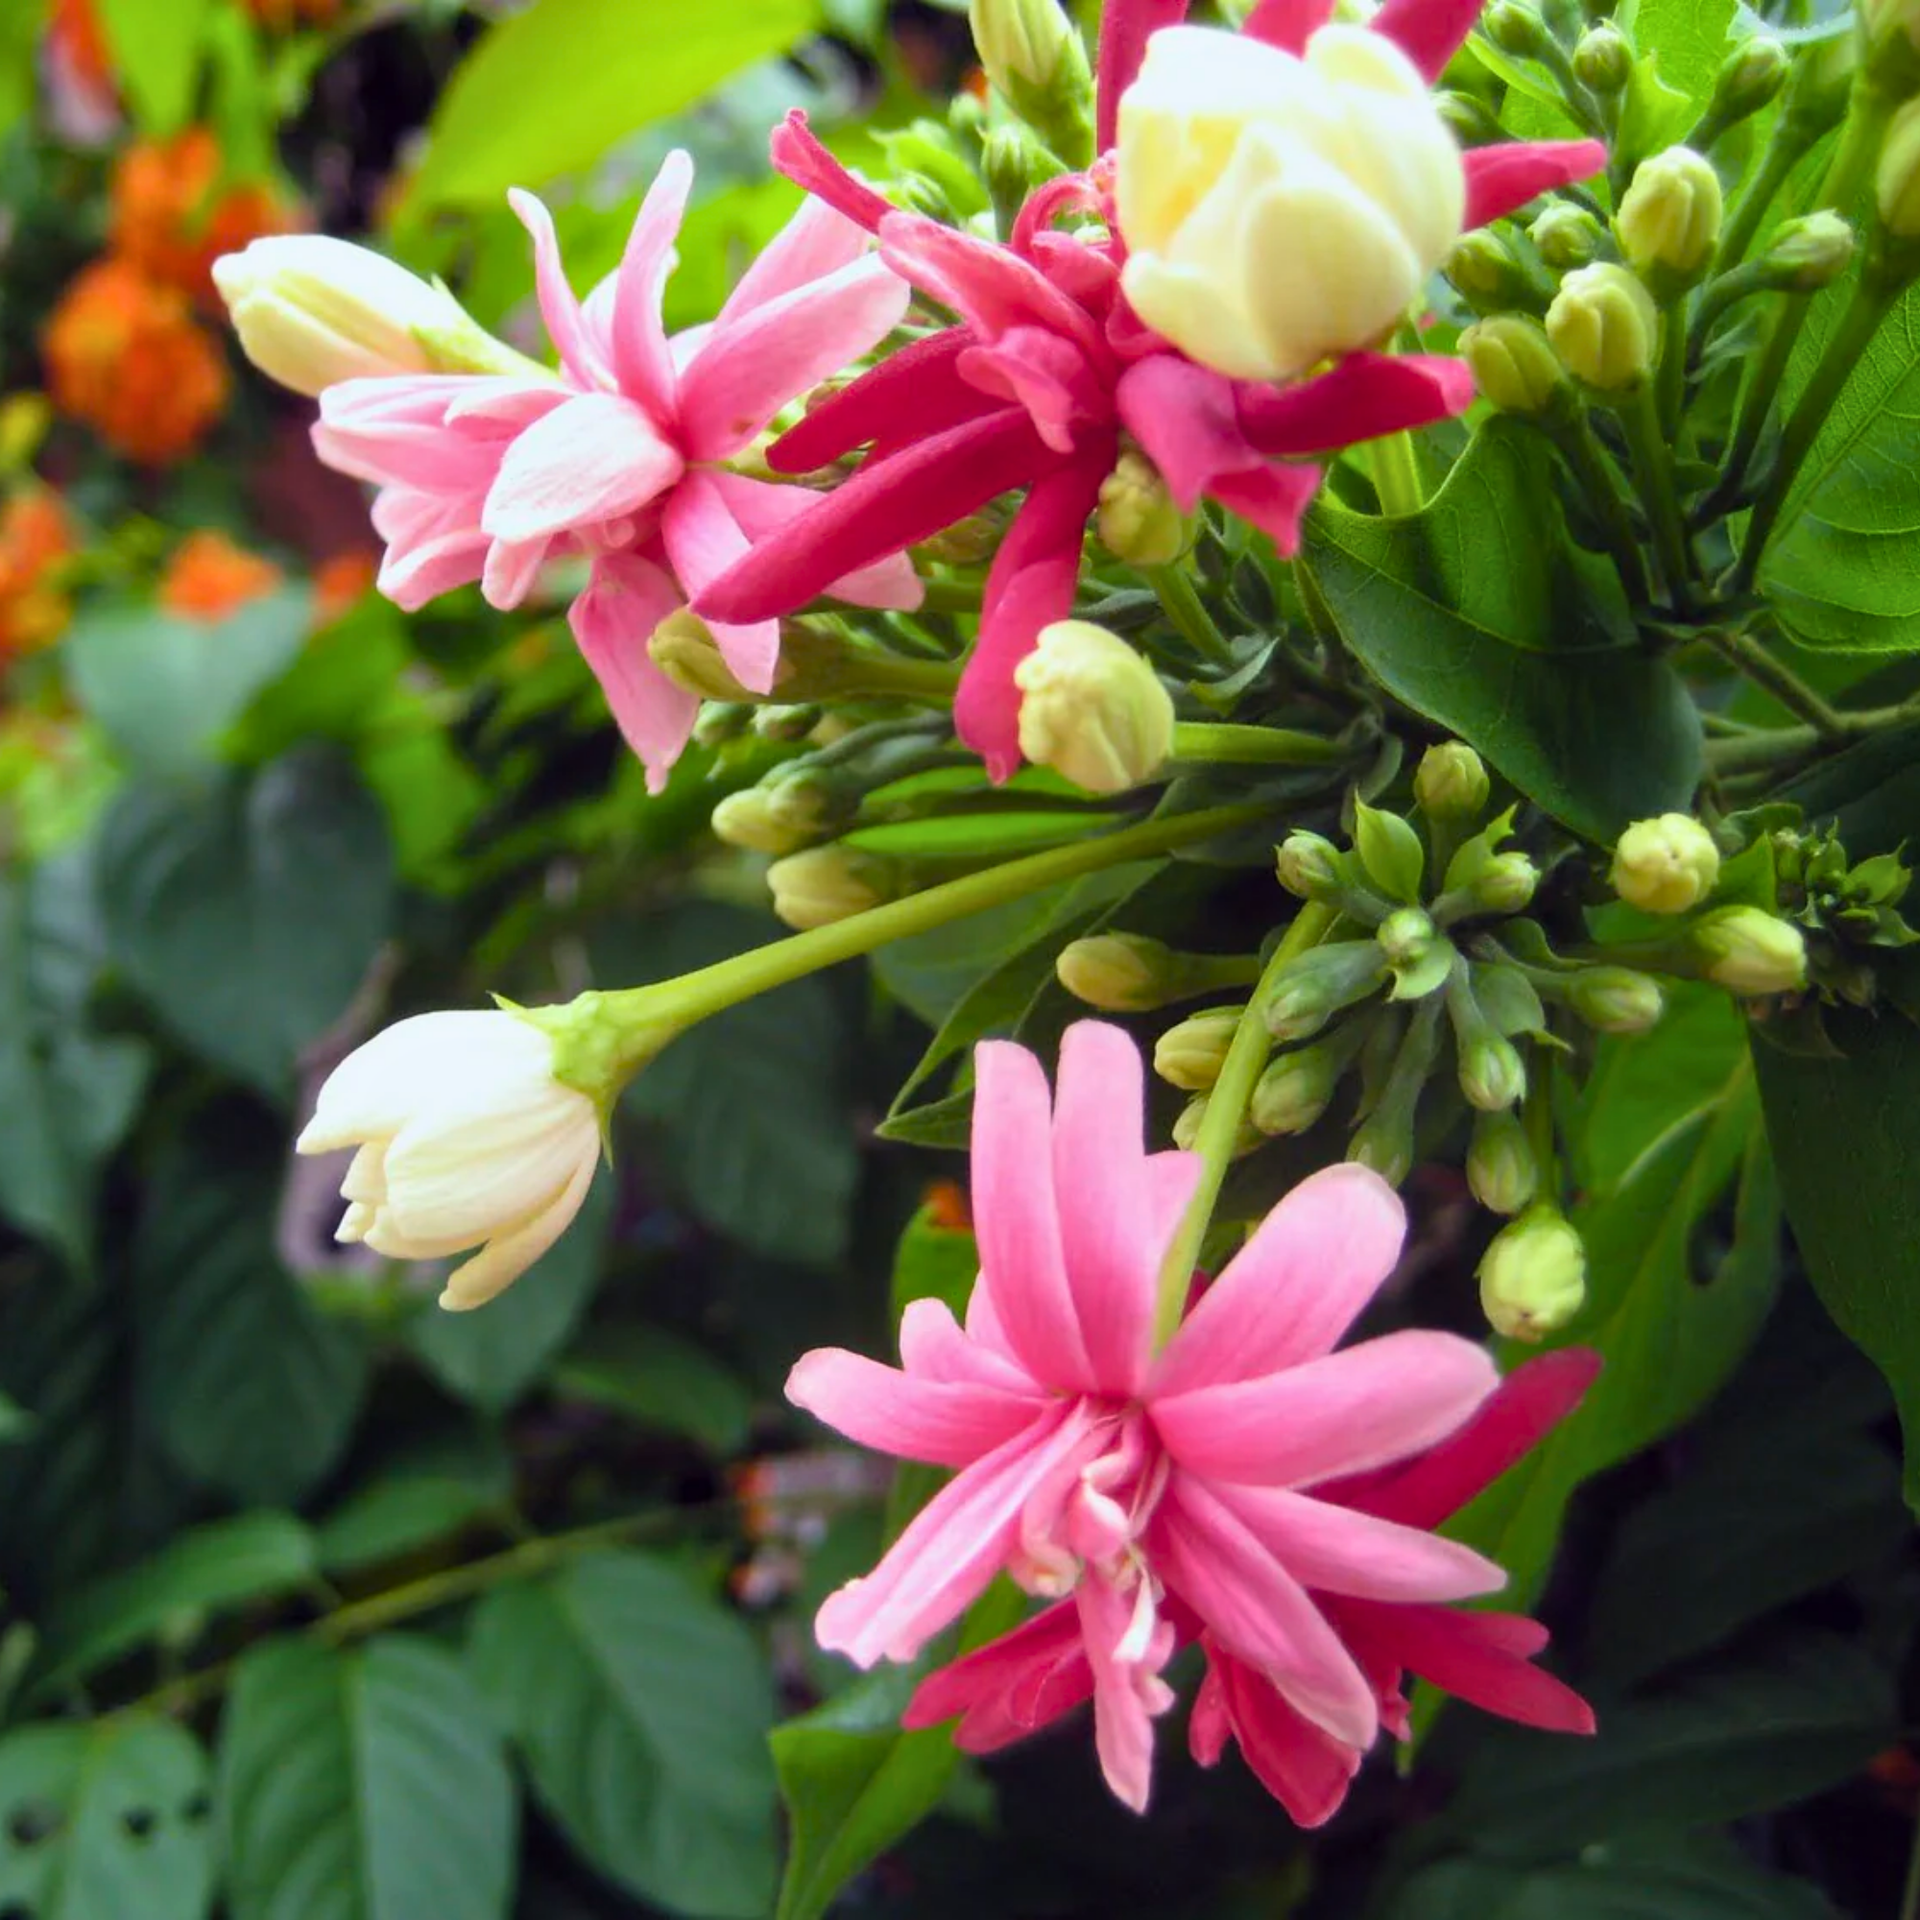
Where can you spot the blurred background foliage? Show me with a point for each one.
(322, 1605)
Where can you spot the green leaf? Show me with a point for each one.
(249, 914)
(105, 1821)
(207, 1570)
(1390, 850)
(244, 1383)
(1841, 570)
(934, 1262)
(156, 56)
(492, 1356)
(415, 1500)
(548, 91)
(1690, 39)
(1480, 614)
(165, 689)
(658, 1379)
(1848, 1132)
(642, 1708)
(366, 1784)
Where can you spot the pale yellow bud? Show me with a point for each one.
(756, 819)
(1605, 326)
(1669, 220)
(1533, 1278)
(684, 650)
(1514, 364)
(1750, 951)
(1121, 972)
(1451, 781)
(1092, 709)
(1138, 521)
(827, 884)
(1896, 182)
(1189, 1056)
(1665, 865)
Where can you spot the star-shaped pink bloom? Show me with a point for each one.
(622, 456)
(1239, 1484)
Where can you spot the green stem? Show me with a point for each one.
(1670, 378)
(1910, 1894)
(1189, 614)
(1653, 460)
(1761, 752)
(1220, 1125)
(1229, 745)
(1594, 473)
(1396, 475)
(1780, 680)
(1791, 138)
(950, 596)
(1870, 305)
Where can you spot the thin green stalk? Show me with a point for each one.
(1670, 377)
(1777, 678)
(1595, 475)
(950, 596)
(1782, 155)
(1189, 614)
(1869, 306)
(1220, 1125)
(1653, 460)
(1396, 474)
(1228, 745)
(1910, 1894)
(1762, 751)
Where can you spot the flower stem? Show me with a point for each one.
(1790, 140)
(1396, 475)
(1670, 377)
(1780, 680)
(1653, 460)
(1220, 1126)
(1189, 614)
(1253, 746)
(1595, 476)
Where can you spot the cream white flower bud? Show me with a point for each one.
(1533, 1278)
(1566, 236)
(1037, 62)
(1294, 1090)
(1669, 220)
(1605, 326)
(1809, 253)
(1121, 972)
(1616, 999)
(1309, 866)
(1603, 60)
(466, 1139)
(1665, 865)
(1749, 951)
(311, 311)
(1279, 209)
(1092, 709)
(826, 884)
(763, 821)
(1189, 1056)
(1896, 182)
(684, 649)
(1138, 521)
(1514, 364)
(1505, 883)
(1492, 1074)
(1501, 1169)
(1451, 781)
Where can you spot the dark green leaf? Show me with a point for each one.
(642, 1707)
(366, 1784)
(1481, 614)
(106, 1821)
(249, 914)
(415, 1500)
(657, 1379)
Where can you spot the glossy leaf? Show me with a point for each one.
(660, 1380)
(413, 1501)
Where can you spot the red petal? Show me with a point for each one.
(1125, 28)
(1287, 24)
(795, 152)
(1366, 395)
(910, 394)
(1428, 32)
(1508, 175)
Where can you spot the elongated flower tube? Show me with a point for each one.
(1246, 1486)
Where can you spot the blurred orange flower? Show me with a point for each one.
(341, 582)
(126, 356)
(210, 576)
(284, 14)
(36, 538)
(76, 31)
(172, 218)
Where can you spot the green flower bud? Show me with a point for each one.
(1505, 883)
(1189, 1056)
(1487, 273)
(756, 819)
(1322, 981)
(1566, 236)
(1451, 783)
(1492, 1074)
(1092, 709)
(1533, 1278)
(1750, 76)
(1294, 1091)
(685, 651)
(1751, 952)
(1514, 364)
(1383, 1142)
(1501, 1169)
(786, 722)
(1616, 999)
(1605, 326)
(720, 721)
(1516, 28)
(1138, 520)
(1891, 30)
(1121, 972)
(1896, 182)
(1669, 220)
(1468, 119)
(1665, 865)
(828, 884)
(1186, 1129)
(1603, 61)
(1310, 866)
(1037, 62)
(1807, 254)
(1406, 936)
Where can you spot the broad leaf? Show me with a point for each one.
(642, 1707)
(1481, 614)
(156, 54)
(659, 1379)
(366, 1784)
(413, 1501)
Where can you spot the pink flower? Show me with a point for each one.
(621, 456)
(1245, 1484)
(1049, 365)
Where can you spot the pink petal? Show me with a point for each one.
(954, 1546)
(1287, 24)
(1125, 28)
(795, 152)
(934, 1347)
(1428, 32)
(944, 1423)
(761, 507)
(1307, 1770)
(511, 569)
(910, 395)
(1099, 1169)
(1065, 193)
(887, 505)
(1289, 1294)
(612, 621)
(1256, 1609)
(1275, 500)
(816, 242)
(559, 308)
(593, 459)
(1047, 375)
(1331, 1549)
(1482, 1658)
(1355, 1409)
(1030, 585)
(1011, 1686)
(1503, 177)
(433, 545)
(1185, 418)
(752, 365)
(703, 540)
(1127, 1690)
(641, 360)
(1016, 1219)
(1366, 395)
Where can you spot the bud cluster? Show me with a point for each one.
(1847, 909)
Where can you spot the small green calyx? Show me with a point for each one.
(600, 1041)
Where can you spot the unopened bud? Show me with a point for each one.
(1492, 1074)
(1406, 936)
(1121, 972)
(684, 649)
(1514, 365)
(1138, 521)
(1892, 35)
(1501, 1169)
(1310, 866)
(1616, 999)
(1451, 782)
(1669, 220)
(1294, 1090)
(1533, 1278)
(1383, 1142)
(1750, 951)
(1515, 28)
(1487, 273)
(757, 820)
(1035, 58)
(1468, 119)
(828, 884)
(1665, 865)
(1809, 253)
(1322, 981)
(1605, 326)
(1505, 883)
(1566, 236)
(786, 722)
(1750, 76)
(1189, 1056)
(1603, 61)
(720, 721)
(1187, 1123)
(1092, 709)
(1896, 182)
